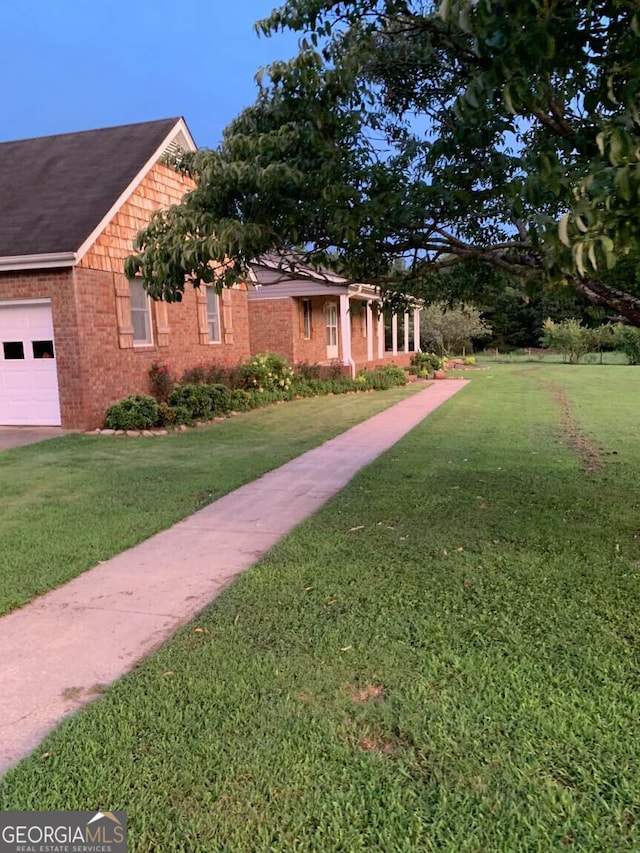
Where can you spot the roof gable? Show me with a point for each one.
(55, 191)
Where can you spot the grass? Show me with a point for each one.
(68, 503)
(445, 658)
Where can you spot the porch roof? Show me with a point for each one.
(273, 279)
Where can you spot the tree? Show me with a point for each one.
(447, 329)
(433, 132)
(568, 337)
(514, 309)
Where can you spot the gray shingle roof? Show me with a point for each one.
(54, 190)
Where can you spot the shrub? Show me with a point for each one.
(195, 375)
(426, 363)
(267, 372)
(214, 374)
(304, 387)
(344, 385)
(162, 382)
(627, 340)
(232, 377)
(469, 361)
(331, 371)
(138, 411)
(220, 398)
(307, 371)
(169, 416)
(241, 400)
(385, 377)
(264, 398)
(195, 398)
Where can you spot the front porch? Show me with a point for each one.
(318, 318)
(375, 340)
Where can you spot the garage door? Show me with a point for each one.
(28, 375)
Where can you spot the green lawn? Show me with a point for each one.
(445, 658)
(68, 503)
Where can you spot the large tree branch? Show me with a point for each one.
(608, 297)
(554, 122)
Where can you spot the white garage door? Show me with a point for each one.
(28, 374)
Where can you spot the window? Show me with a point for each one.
(331, 314)
(140, 313)
(306, 313)
(42, 349)
(213, 315)
(13, 350)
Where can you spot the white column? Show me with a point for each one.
(416, 330)
(380, 332)
(394, 333)
(405, 323)
(345, 332)
(369, 332)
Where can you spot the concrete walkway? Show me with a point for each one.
(57, 651)
(19, 436)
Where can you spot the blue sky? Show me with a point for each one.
(69, 65)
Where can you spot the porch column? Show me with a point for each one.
(416, 330)
(380, 332)
(406, 331)
(345, 333)
(369, 332)
(394, 334)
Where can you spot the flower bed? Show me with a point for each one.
(204, 394)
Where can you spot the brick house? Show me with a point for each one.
(75, 334)
(319, 318)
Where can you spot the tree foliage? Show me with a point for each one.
(448, 328)
(568, 338)
(431, 131)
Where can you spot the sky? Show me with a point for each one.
(69, 65)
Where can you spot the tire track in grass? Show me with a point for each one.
(590, 455)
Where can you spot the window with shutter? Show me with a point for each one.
(213, 316)
(123, 312)
(140, 313)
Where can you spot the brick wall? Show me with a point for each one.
(271, 325)
(113, 372)
(402, 359)
(277, 325)
(314, 349)
(358, 315)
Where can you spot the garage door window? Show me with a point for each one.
(42, 349)
(140, 314)
(13, 350)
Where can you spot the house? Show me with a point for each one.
(319, 318)
(75, 334)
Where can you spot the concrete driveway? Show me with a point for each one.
(19, 436)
